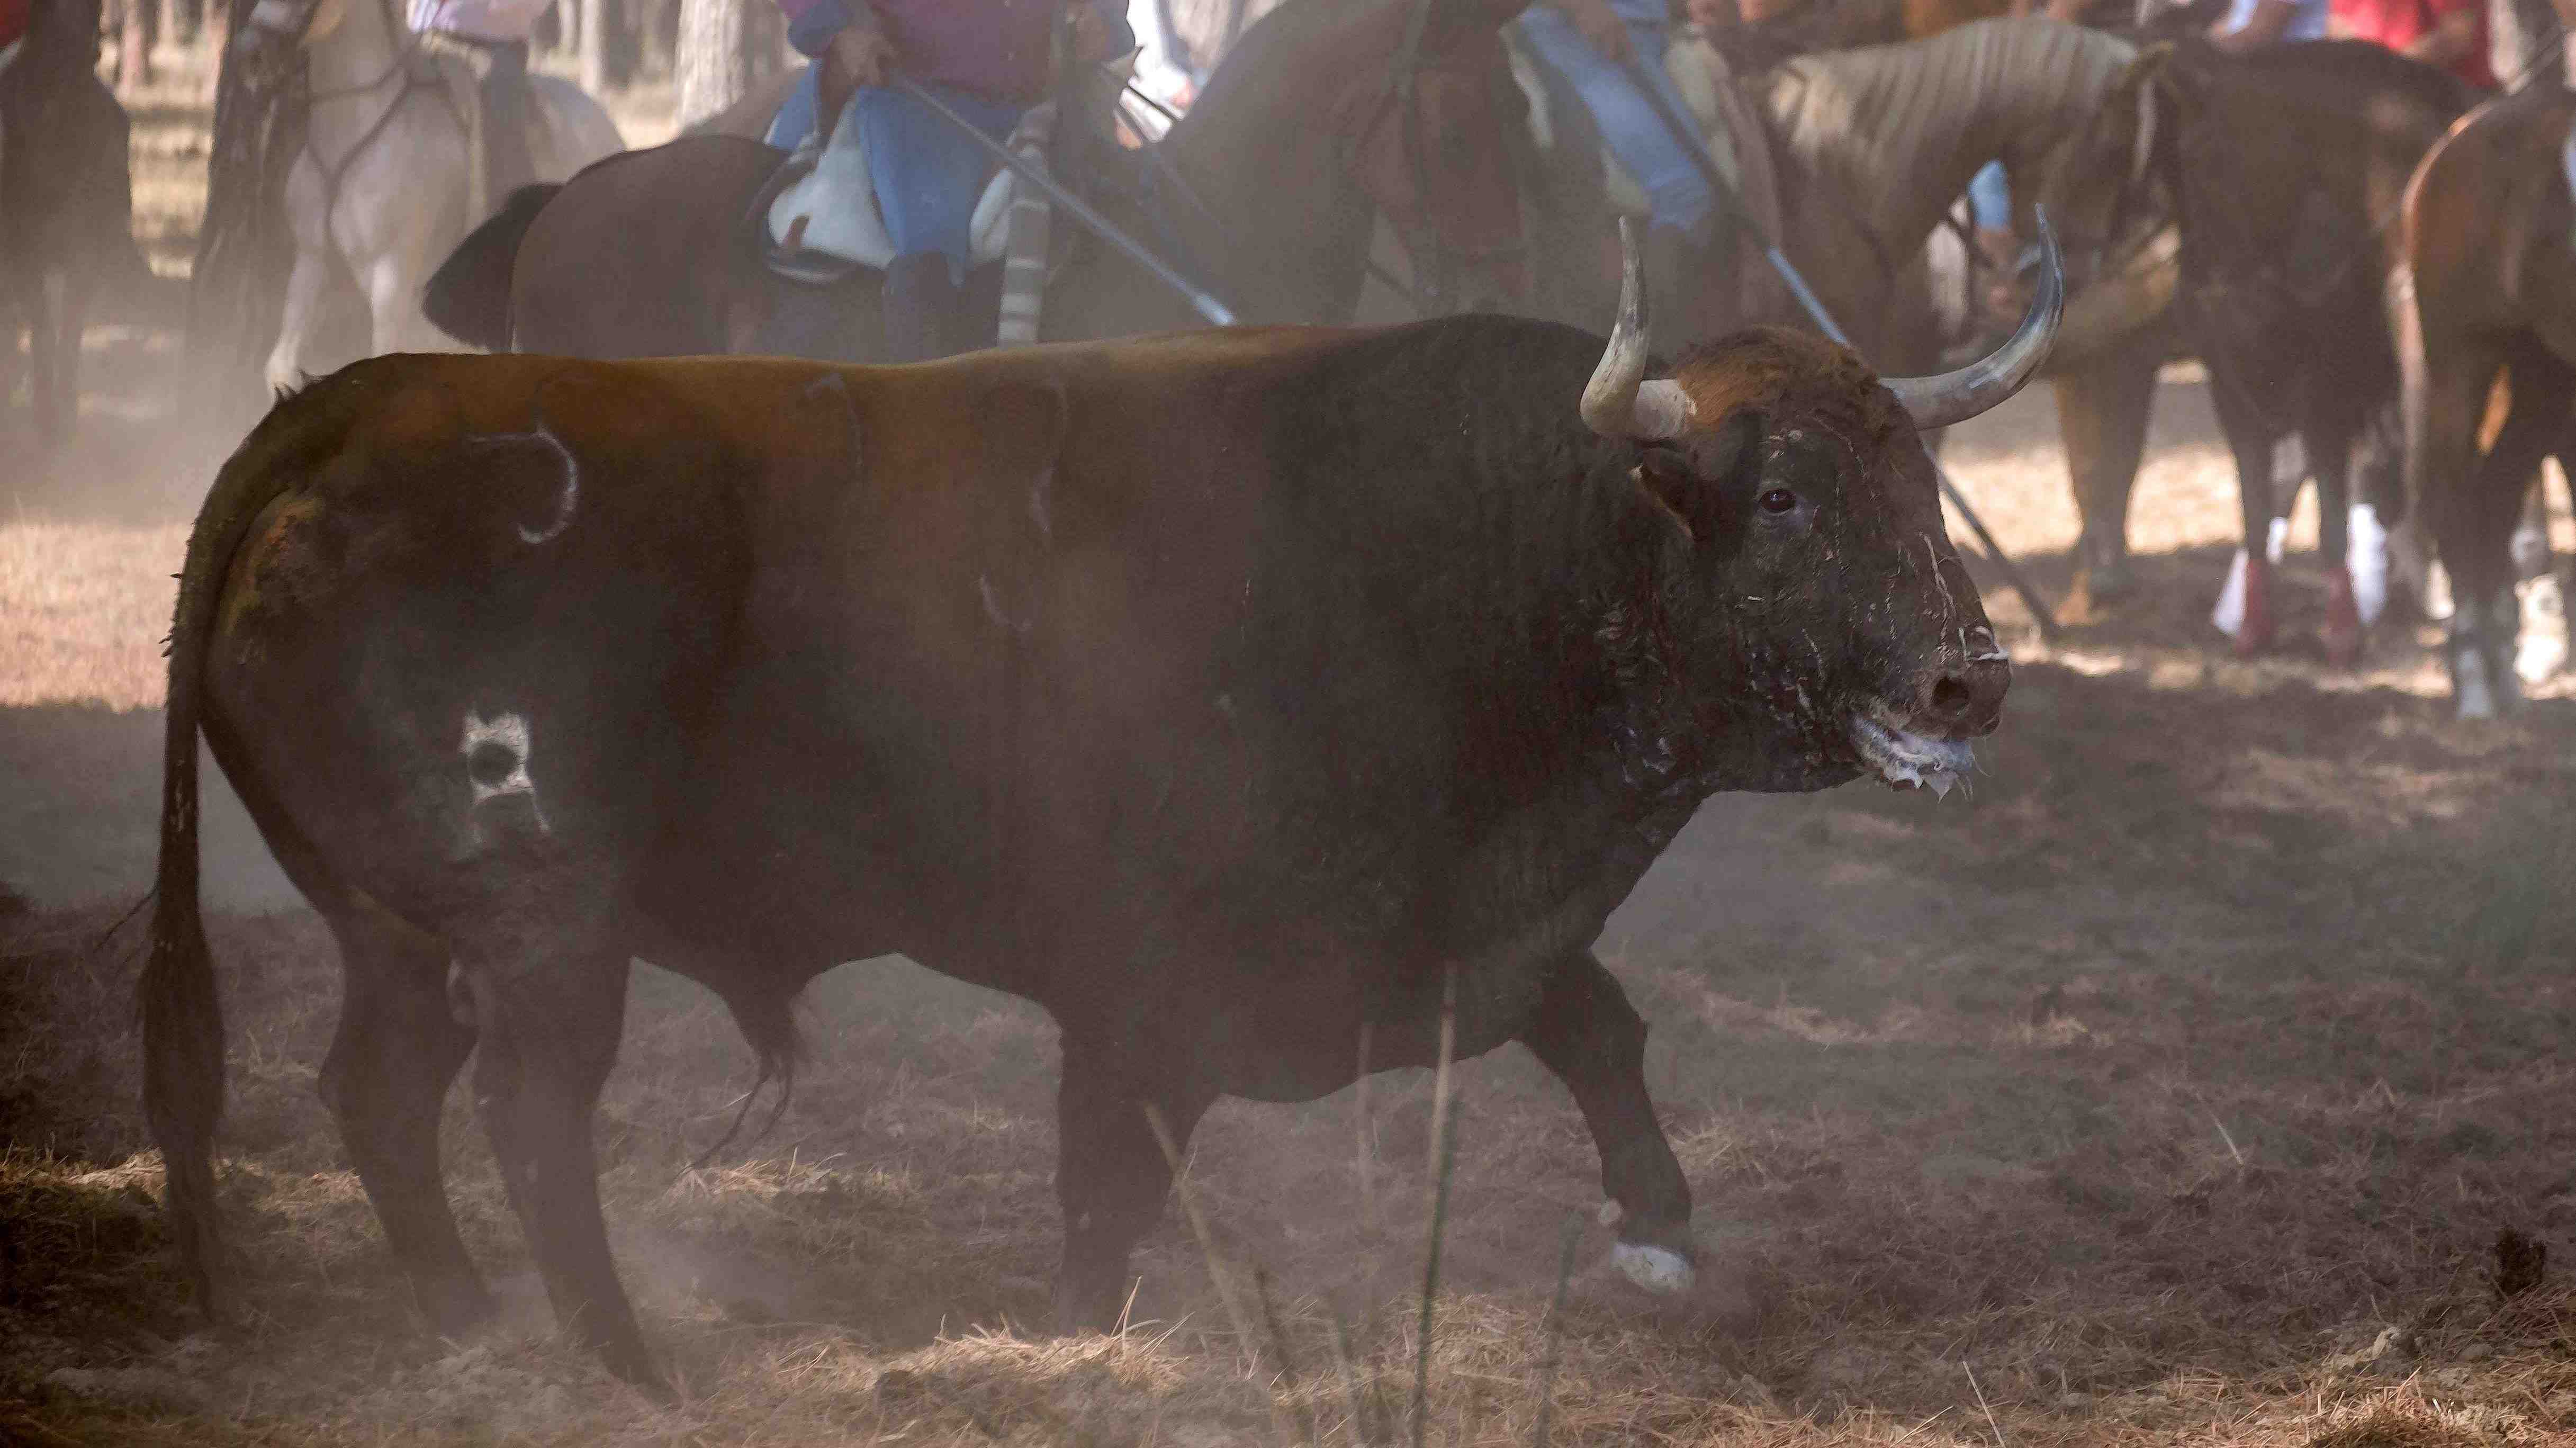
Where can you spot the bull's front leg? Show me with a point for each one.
(1585, 1031)
(1111, 1174)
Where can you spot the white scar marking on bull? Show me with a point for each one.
(507, 732)
(1659, 1270)
(1038, 509)
(566, 500)
(1935, 555)
(993, 606)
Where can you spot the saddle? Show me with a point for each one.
(817, 220)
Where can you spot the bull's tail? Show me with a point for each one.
(468, 297)
(183, 1028)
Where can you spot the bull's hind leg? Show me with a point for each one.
(548, 1021)
(1111, 1174)
(398, 1049)
(1586, 1032)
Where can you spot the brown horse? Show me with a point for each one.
(66, 205)
(2484, 287)
(1321, 121)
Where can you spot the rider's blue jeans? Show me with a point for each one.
(928, 177)
(1676, 192)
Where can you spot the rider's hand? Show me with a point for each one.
(1711, 14)
(861, 55)
(1601, 26)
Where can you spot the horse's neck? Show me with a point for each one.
(1291, 231)
(354, 57)
(2013, 102)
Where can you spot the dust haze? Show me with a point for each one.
(2175, 1083)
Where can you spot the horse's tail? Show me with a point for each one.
(468, 297)
(183, 1025)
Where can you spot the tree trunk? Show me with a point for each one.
(596, 26)
(712, 58)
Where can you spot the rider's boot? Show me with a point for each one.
(920, 307)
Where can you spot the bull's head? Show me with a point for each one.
(1826, 626)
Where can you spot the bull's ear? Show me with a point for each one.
(1665, 478)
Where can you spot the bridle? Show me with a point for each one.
(1438, 264)
(402, 68)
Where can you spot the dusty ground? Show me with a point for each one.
(2174, 1087)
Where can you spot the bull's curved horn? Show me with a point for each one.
(1619, 401)
(1957, 396)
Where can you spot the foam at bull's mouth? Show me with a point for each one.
(1903, 757)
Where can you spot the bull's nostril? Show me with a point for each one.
(1950, 696)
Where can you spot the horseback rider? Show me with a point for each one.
(989, 61)
(1603, 49)
(492, 37)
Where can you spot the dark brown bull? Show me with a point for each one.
(2284, 170)
(2488, 285)
(1222, 693)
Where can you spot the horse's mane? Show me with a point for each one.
(1875, 119)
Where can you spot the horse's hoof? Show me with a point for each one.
(2343, 628)
(2472, 690)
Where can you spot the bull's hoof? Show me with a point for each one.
(625, 1357)
(454, 1306)
(2342, 630)
(1660, 1270)
(1089, 1306)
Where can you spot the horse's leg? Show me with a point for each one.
(2473, 520)
(2102, 408)
(304, 287)
(44, 359)
(2250, 439)
(2329, 440)
(71, 312)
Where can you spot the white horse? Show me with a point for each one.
(383, 180)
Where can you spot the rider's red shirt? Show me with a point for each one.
(13, 19)
(2398, 24)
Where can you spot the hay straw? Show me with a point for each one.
(1554, 1351)
(1444, 1161)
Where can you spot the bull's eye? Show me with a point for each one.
(1779, 500)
